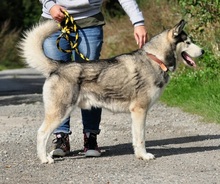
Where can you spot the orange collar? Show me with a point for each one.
(162, 65)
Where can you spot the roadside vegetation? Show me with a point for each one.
(193, 90)
(198, 91)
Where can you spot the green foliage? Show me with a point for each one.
(15, 15)
(197, 91)
(9, 12)
(31, 12)
(209, 10)
(194, 96)
(203, 18)
(20, 13)
(8, 51)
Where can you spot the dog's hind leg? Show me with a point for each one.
(138, 116)
(53, 118)
(58, 103)
(49, 124)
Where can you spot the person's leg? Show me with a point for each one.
(61, 141)
(90, 45)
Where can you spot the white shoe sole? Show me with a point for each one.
(92, 153)
(58, 152)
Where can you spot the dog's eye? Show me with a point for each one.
(187, 42)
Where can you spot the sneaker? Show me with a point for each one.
(61, 145)
(90, 145)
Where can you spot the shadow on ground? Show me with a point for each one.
(159, 148)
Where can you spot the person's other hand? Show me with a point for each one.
(140, 35)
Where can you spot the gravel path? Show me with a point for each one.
(186, 148)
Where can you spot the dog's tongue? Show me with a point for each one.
(189, 60)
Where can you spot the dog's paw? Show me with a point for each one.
(50, 159)
(44, 161)
(47, 160)
(145, 156)
(148, 156)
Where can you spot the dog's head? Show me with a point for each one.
(172, 46)
(186, 50)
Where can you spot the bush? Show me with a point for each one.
(204, 20)
(8, 51)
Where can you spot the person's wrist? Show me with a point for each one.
(49, 5)
(140, 23)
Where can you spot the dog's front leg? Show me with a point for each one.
(138, 116)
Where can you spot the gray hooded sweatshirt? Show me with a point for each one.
(81, 9)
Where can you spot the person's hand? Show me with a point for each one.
(56, 13)
(140, 35)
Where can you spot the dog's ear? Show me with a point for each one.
(178, 28)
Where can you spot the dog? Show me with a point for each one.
(130, 82)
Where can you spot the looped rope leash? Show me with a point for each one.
(67, 26)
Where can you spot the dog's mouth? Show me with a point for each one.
(188, 59)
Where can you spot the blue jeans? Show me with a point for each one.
(89, 44)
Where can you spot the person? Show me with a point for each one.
(89, 19)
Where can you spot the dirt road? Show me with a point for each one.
(187, 150)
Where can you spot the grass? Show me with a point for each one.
(194, 96)
(197, 91)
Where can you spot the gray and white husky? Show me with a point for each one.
(129, 82)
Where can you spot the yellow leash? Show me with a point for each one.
(67, 26)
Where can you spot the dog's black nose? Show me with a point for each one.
(203, 51)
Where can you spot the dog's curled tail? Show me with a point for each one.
(31, 47)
